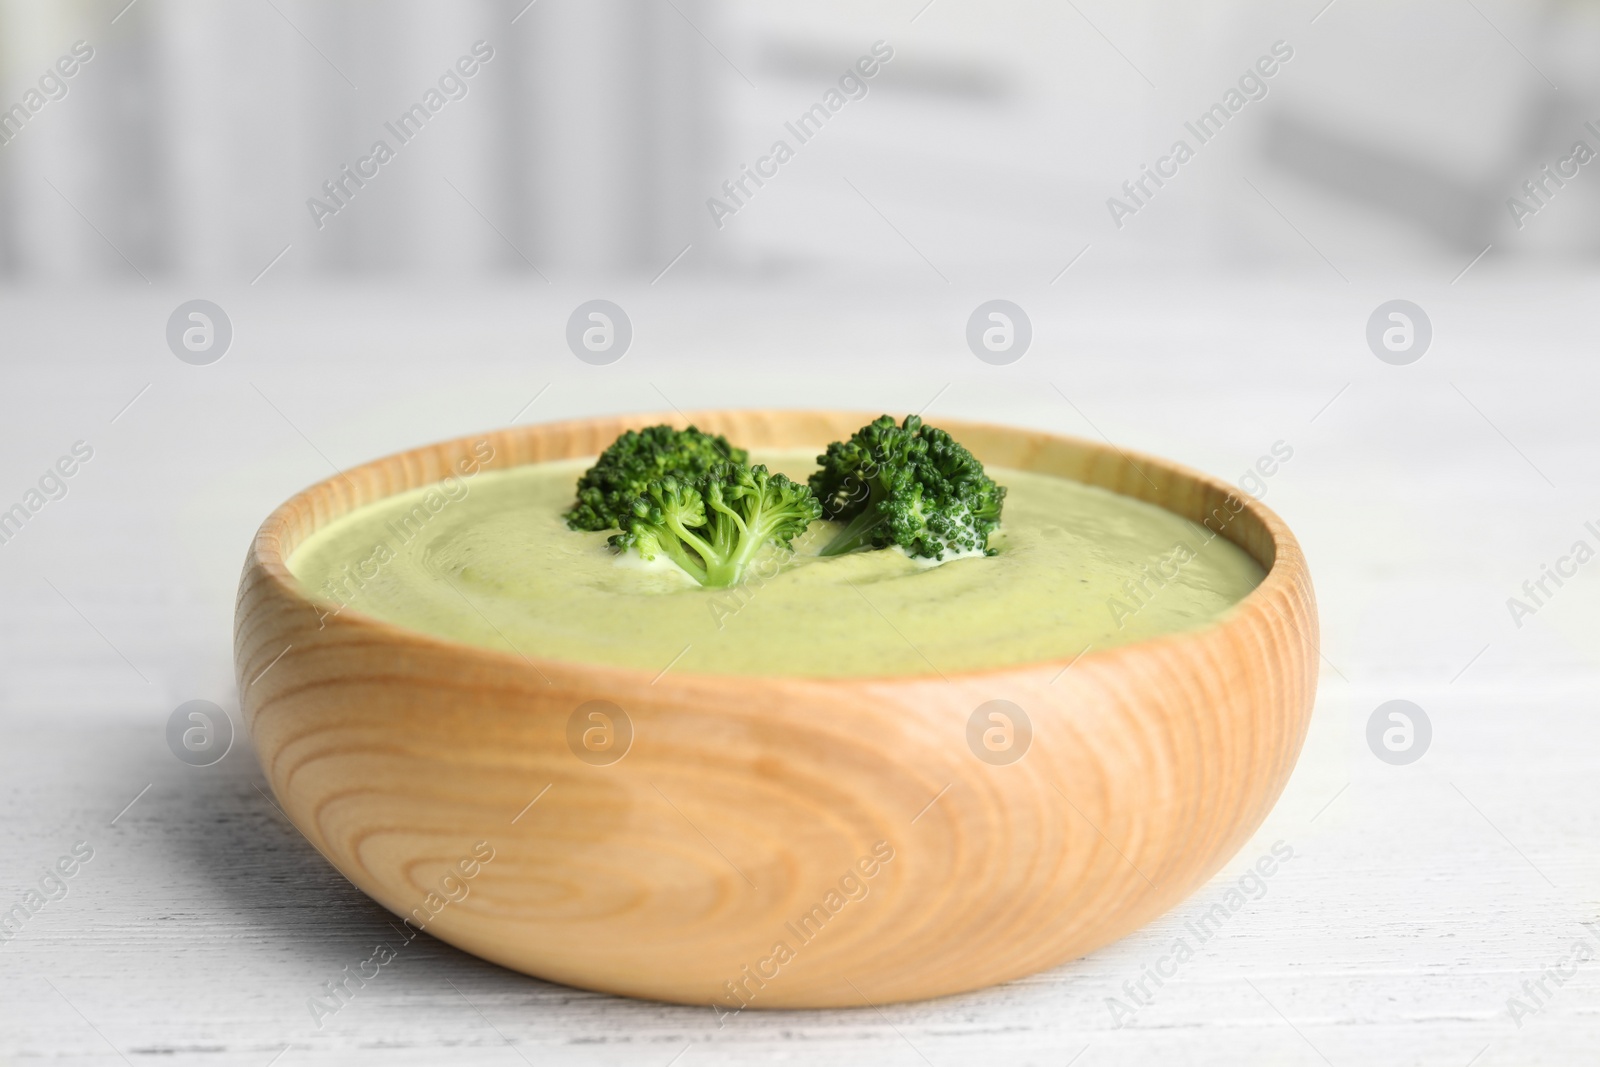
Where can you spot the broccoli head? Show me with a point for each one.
(636, 460)
(910, 485)
(713, 525)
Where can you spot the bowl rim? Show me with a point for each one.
(266, 559)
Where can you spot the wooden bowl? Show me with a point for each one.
(773, 842)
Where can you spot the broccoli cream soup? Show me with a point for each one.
(489, 560)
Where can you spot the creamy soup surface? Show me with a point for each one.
(488, 560)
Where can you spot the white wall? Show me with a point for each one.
(987, 147)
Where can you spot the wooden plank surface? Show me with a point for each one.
(1419, 898)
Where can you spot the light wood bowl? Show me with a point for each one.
(742, 803)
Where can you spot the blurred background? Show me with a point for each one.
(590, 143)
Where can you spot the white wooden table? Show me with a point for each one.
(1419, 899)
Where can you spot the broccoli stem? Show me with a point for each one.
(727, 570)
(675, 549)
(728, 567)
(676, 553)
(855, 533)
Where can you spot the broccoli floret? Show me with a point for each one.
(634, 461)
(910, 485)
(714, 525)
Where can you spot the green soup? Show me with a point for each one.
(489, 560)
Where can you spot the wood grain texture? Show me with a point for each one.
(743, 802)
